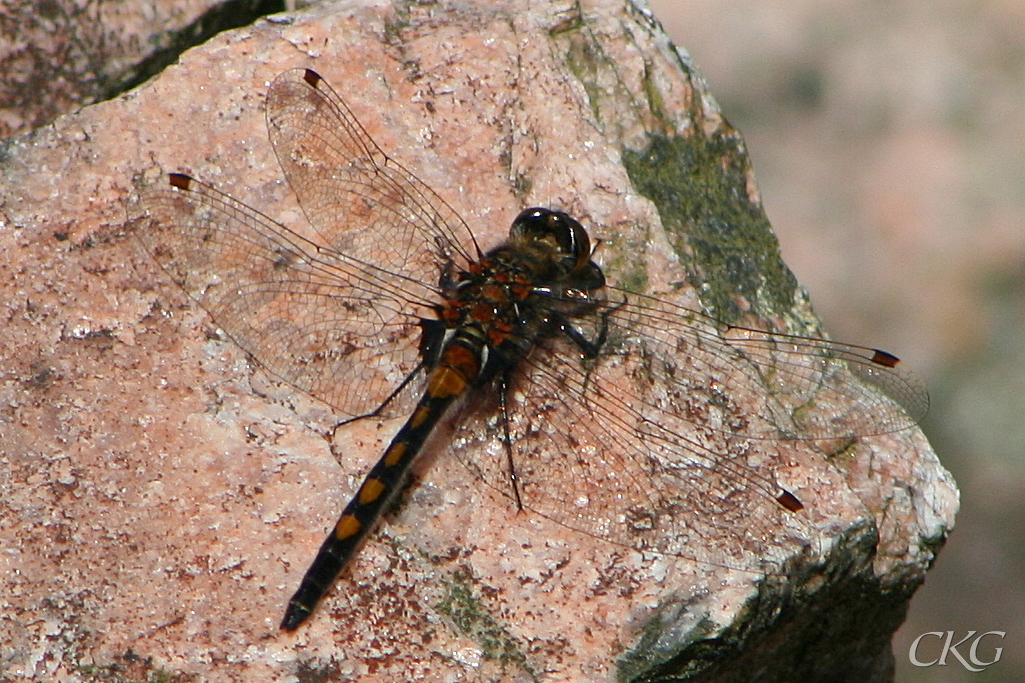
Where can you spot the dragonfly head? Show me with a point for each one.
(560, 233)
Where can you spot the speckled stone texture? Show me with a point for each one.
(160, 496)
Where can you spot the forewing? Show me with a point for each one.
(344, 332)
(360, 201)
(792, 387)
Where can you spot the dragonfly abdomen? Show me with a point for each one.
(458, 366)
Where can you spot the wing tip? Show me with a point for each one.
(180, 181)
(884, 358)
(789, 501)
(312, 78)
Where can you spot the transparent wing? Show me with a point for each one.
(360, 201)
(338, 317)
(647, 444)
(593, 452)
(316, 318)
(808, 388)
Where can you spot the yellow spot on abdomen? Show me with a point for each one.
(394, 454)
(419, 416)
(371, 491)
(446, 383)
(347, 526)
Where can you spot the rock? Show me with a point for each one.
(63, 55)
(162, 495)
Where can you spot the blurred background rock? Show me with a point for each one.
(888, 141)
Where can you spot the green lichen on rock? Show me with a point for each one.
(473, 620)
(699, 184)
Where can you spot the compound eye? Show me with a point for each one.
(571, 237)
(581, 244)
(565, 233)
(558, 226)
(532, 223)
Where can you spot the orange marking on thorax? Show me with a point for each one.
(497, 336)
(483, 313)
(522, 290)
(493, 293)
(450, 313)
(498, 333)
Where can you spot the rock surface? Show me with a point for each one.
(161, 496)
(61, 55)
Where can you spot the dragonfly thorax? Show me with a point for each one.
(537, 280)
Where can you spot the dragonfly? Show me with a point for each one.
(611, 412)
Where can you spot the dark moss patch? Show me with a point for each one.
(471, 619)
(700, 186)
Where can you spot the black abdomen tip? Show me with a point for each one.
(294, 615)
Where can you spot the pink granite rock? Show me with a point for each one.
(162, 496)
(58, 56)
